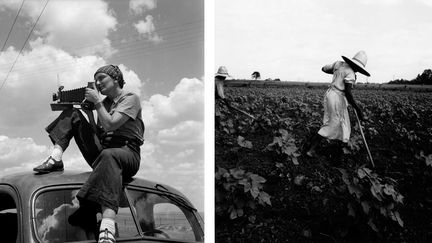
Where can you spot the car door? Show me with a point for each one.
(10, 215)
(143, 216)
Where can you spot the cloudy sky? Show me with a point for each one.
(159, 46)
(292, 40)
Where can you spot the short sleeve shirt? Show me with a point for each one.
(342, 73)
(128, 104)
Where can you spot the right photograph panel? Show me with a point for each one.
(323, 121)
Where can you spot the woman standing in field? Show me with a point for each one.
(220, 77)
(336, 122)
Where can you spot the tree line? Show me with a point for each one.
(424, 78)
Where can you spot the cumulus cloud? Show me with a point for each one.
(35, 76)
(173, 150)
(140, 6)
(51, 225)
(147, 29)
(75, 161)
(19, 152)
(183, 134)
(189, 180)
(132, 81)
(187, 176)
(148, 157)
(184, 103)
(185, 153)
(66, 49)
(174, 127)
(66, 25)
(145, 26)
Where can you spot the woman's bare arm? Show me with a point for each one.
(351, 101)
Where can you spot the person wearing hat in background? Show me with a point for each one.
(336, 122)
(220, 77)
(111, 147)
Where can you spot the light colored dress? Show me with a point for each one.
(336, 122)
(219, 83)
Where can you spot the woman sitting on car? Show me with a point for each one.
(111, 147)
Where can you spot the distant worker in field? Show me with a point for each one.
(256, 75)
(336, 122)
(220, 77)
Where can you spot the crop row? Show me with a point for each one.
(396, 193)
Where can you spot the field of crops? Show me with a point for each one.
(267, 189)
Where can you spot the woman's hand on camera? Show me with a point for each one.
(92, 95)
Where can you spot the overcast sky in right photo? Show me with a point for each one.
(292, 40)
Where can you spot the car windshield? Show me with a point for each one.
(157, 215)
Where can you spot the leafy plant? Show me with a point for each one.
(244, 143)
(238, 191)
(355, 142)
(398, 128)
(426, 158)
(284, 144)
(374, 195)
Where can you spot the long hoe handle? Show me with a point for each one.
(364, 139)
(239, 110)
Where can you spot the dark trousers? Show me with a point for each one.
(111, 165)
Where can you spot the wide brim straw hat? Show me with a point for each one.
(358, 62)
(223, 72)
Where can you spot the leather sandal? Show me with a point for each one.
(106, 236)
(47, 167)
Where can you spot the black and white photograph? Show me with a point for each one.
(215, 121)
(102, 121)
(323, 121)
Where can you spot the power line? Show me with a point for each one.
(13, 24)
(22, 48)
(170, 35)
(124, 50)
(180, 36)
(176, 39)
(166, 30)
(175, 31)
(123, 56)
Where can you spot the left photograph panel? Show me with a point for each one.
(102, 125)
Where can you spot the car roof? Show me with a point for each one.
(29, 182)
